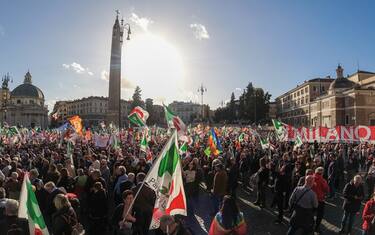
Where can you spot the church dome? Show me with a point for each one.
(27, 89)
(341, 83)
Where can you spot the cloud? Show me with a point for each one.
(51, 103)
(238, 89)
(141, 22)
(104, 75)
(76, 67)
(200, 32)
(125, 83)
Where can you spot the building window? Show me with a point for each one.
(18, 101)
(31, 101)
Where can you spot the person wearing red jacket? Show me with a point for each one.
(368, 217)
(320, 188)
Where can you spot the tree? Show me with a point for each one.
(253, 105)
(137, 98)
(150, 110)
(232, 108)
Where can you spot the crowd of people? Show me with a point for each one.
(100, 190)
(304, 178)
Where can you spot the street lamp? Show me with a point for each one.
(255, 95)
(125, 26)
(4, 96)
(202, 90)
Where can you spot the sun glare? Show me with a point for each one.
(155, 65)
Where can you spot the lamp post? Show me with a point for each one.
(255, 96)
(4, 96)
(202, 90)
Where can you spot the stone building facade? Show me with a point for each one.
(24, 105)
(189, 111)
(92, 110)
(342, 101)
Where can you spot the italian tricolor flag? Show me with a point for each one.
(265, 144)
(184, 148)
(144, 143)
(29, 209)
(138, 116)
(280, 129)
(174, 121)
(298, 143)
(165, 178)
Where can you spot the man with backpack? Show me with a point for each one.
(303, 202)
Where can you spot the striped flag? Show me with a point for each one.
(144, 143)
(298, 143)
(174, 121)
(138, 116)
(29, 209)
(184, 148)
(165, 178)
(280, 129)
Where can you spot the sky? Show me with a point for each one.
(178, 45)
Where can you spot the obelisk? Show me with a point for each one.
(114, 93)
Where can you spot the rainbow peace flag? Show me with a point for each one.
(214, 143)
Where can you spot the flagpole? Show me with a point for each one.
(269, 145)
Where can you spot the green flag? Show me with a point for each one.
(298, 143)
(183, 148)
(13, 130)
(144, 143)
(241, 137)
(280, 130)
(207, 151)
(264, 143)
(29, 209)
(174, 121)
(165, 178)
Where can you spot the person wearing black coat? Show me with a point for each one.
(64, 219)
(332, 169)
(280, 188)
(50, 208)
(233, 176)
(353, 195)
(98, 210)
(11, 221)
(263, 175)
(143, 205)
(65, 180)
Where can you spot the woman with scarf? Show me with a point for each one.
(229, 220)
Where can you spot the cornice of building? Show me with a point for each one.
(305, 83)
